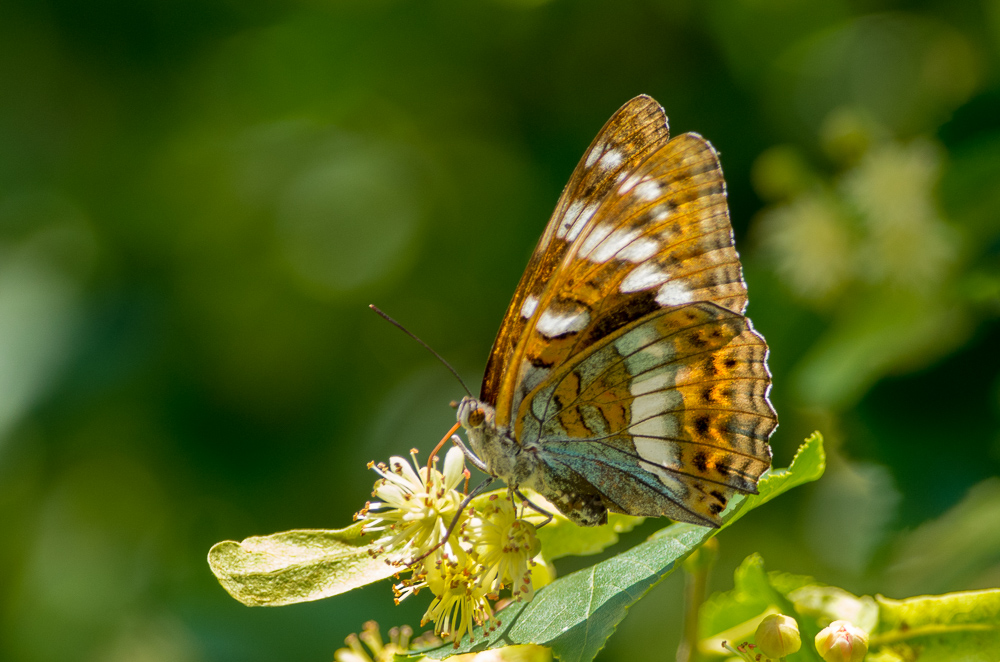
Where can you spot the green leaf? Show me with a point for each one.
(577, 613)
(296, 566)
(731, 615)
(808, 465)
(944, 628)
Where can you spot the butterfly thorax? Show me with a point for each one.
(523, 465)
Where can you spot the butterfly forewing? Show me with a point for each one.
(662, 238)
(665, 237)
(636, 130)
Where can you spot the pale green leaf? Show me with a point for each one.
(943, 628)
(296, 566)
(957, 627)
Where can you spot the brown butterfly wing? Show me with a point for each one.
(637, 129)
(661, 237)
(625, 361)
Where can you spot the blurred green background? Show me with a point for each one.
(198, 199)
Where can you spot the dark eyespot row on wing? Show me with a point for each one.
(681, 396)
(636, 130)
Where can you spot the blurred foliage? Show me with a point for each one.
(198, 199)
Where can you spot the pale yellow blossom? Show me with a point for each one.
(415, 509)
(505, 545)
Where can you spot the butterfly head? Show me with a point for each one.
(473, 414)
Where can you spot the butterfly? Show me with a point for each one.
(625, 376)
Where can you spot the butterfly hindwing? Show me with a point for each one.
(666, 416)
(636, 130)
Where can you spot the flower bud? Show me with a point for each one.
(778, 636)
(842, 642)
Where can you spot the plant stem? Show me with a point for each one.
(697, 567)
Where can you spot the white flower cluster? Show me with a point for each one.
(464, 565)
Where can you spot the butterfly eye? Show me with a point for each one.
(476, 417)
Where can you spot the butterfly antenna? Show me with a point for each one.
(426, 346)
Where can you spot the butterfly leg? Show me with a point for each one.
(470, 456)
(535, 507)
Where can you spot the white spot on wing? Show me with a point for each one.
(553, 324)
(569, 219)
(576, 218)
(644, 277)
(611, 159)
(649, 190)
(649, 427)
(655, 380)
(594, 154)
(652, 421)
(616, 241)
(528, 309)
(651, 407)
(662, 212)
(658, 451)
(672, 294)
(639, 250)
(603, 245)
(596, 236)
